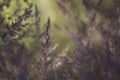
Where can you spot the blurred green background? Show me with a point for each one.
(53, 39)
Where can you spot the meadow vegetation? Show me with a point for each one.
(59, 40)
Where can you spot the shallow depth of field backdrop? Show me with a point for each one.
(59, 39)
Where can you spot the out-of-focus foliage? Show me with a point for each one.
(97, 25)
(15, 57)
(59, 40)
